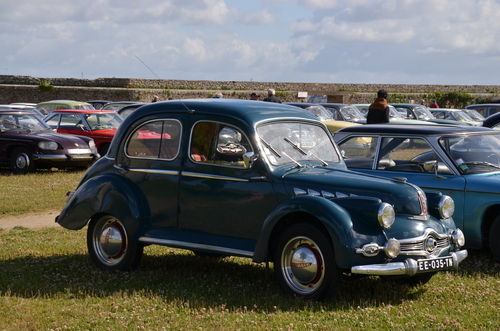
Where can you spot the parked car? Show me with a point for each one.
(422, 113)
(127, 110)
(48, 106)
(18, 106)
(323, 115)
(453, 114)
(259, 180)
(492, 121)
(461, 161)
(28, 144)
(344, 112)
(395, 117)
(486, 109)
(100, 125)
(98, 104)
(116, 106)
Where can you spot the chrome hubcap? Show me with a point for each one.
(110, 242)
(22, 161)
(302, 265)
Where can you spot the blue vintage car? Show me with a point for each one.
(460, 161)
(258, 180)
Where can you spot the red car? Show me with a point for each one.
(100, 125)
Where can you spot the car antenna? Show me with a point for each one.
(147, 67)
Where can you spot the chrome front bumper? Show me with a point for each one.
(408, 267)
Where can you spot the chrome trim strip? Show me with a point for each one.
(407, 267)
(200, 175)
(149, 171)
(188, 245)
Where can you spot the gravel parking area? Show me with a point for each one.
(31, 221)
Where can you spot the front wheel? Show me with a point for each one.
(21, 161)
(110, 247)
(304, 263)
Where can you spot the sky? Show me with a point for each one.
(449, 42)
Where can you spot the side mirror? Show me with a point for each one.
(249, 158)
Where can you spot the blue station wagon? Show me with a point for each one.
(460, 161)
(258, 180)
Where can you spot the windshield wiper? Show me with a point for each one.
(270, 147)
(301, 151)
(293, 160)
(295, 146)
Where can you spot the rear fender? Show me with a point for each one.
(335, 219)
(107, 194)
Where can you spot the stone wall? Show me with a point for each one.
(27, 89)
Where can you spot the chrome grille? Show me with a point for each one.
(429, 244)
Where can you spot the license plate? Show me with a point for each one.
(442, 263)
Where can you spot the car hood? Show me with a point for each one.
(403, 196)
(65, 140)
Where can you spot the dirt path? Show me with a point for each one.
(31, 220)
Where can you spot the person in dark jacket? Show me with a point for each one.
(378, 112)
(271, 96)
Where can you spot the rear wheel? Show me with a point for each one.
(21, 161)
(494, 239)
(110, 247)
(304, 263)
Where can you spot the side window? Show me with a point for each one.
(157, 139)
(53, 121)
(359, 152)
(218, 143)
(70, 121)
(409, 155)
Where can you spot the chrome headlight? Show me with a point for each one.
(446, 206)
(392, 248)
(50, 145)
(386, 215)
(458, 237)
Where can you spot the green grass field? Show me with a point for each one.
(47, 282)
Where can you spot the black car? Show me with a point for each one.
(492, 121)
(486, 109)
(27, 144)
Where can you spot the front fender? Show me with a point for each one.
(334, 218)
(107, 194)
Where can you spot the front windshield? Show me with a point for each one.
(475, 153)
(320, 112)
(393, 113)
(292, 142)
(461, 116)
(101, 121)
(22, 122)
(474, 115)
(351, 113)
(422, 113)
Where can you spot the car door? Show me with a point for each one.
(152, 162)
(221, 199)
(411, 158)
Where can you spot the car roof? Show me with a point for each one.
(66, 102)
(85, 111)
(250, 111)
(10, 111)
(483, 105)
(415, 129)
(445, 109)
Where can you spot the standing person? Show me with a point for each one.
(218, 95)
(155, 99)
(271, 96)
(433, 104)
(254, 96)
(378, 112)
